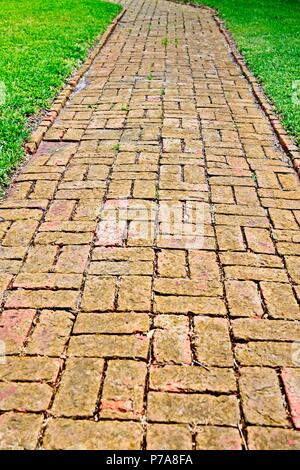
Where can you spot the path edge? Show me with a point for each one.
(60, 100)
(286, 141)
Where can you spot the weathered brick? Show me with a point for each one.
(217, 438)
(90, 435)
(291, 380)
(291, 236)
(11, 253)
(29, 368)
(18, 214)
(258, 329)
(289, 181)
(262, 401)
(116, 322)
(143, 189)
(5, 279)
(121, 268)
(19, 431)
(78, 390)
(280, 203)
(20, 233)
(283, 219)
(184, 304)
(222, 194)
(231, 181)
(259, 240)
(67, 226)
(243, 299)
(87, 209)
(60, 210)
(242, 220)
(251, 259)
(230, 238)
(239, 209)
(135, 293)
(75, 173)
(168, 437)
(24, 396)
(20, 190)
(41, 299)
(50, 334)
(266, 353)
(40, 259)
(123, 391)
(118, 189)
(247, 196)
(171, 339)
(48, 280)
(272, 438)
(293, 266)
(267, 179)
(123, 254)
(130, 346)
(98, 294)
(176, 378)
(98, 172)
(203, 265)
(280, 300)
(14, 328)
(192, 408)
(63, 238)
(8, 266)
(212, 342)
(43, 189)
(179, 286)
(72, 259)
(286, 248)
(172, 263)
(255, 274)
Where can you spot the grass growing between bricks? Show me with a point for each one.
(267, 34)
(41, 44)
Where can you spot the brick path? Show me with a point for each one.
(137, 332)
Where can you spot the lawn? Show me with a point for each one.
(41, 43)
(267, 32)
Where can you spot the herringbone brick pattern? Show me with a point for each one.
(123, 327)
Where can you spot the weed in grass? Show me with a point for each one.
(165, 42)
(150, 76)
(116, 147)
(254, 176)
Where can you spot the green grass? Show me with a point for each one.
(41, 43)
(267, 32)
